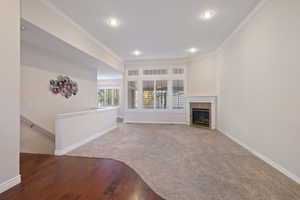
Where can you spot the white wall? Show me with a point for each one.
(260, 84)
(201, 73)
(76, 129)
(32, 141)
(38, 103)
(9, 89)
(201, 76)
(110, 83)
(156, 117)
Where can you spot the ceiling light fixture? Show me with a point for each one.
(208, 14)
(113, 22)
(193, 50)
(137, 53)
(23, 28)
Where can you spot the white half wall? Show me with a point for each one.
(38, 103)
(10, 94)
(259, 96)
(75, 129)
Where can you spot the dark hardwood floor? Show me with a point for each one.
(46, 177)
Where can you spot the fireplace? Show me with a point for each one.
(205, 111)
(201, 117)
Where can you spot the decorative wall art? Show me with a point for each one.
(64, 86)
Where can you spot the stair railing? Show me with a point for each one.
(38, 128)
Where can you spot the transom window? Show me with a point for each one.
(178, 71)
(155, 71)
(133, 72)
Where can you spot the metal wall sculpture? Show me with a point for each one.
(64, 86)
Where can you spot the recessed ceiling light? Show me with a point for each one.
(113, 22)
(208, 14)
(137, 53)
(193, 50)
(23, 28)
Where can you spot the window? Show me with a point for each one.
(132, 94)
(161, 94)
(148, 94)
(178, 71)
(108, 97)
(155, 72)
(116, 96)
(133, 72)
(178, 94)
(161, 88)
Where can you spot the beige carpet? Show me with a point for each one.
(184, 163)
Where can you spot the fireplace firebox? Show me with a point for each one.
(201, 117)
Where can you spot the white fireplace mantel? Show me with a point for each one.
(202, 99)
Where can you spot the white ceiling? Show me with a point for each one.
(159, 28)
(36, 37)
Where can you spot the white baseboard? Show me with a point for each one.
(152, 122)
(10, 183)
(60, 152)
(264, 158)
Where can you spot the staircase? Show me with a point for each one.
(36, 139)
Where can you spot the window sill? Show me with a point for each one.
(105, 107)
(157, 110)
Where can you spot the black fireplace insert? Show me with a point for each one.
(201, 117)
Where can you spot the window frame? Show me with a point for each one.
(170, 76)
(172, 94)
(155, 97)
(126, 93)
(112, 96)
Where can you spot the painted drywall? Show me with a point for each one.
(43, 15)
(38, 103)
(259, 98)
(32, 141)
(201, 73)
(202, 76)
(76, 129)
(110, 83)
(156, 117)
(10, 97)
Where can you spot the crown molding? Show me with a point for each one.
(244, 22)
(248, 18)
(203, 56)
(59, 12)
(157, 61)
